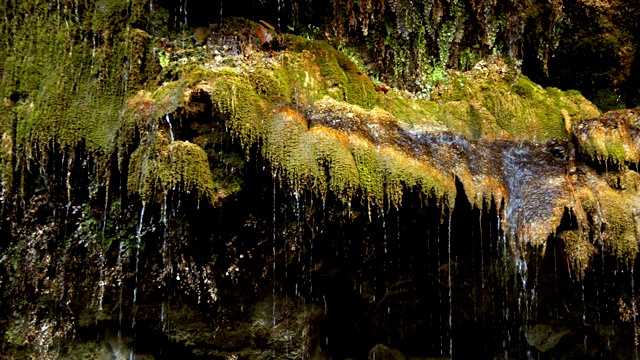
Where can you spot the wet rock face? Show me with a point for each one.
(544, 337)
(611, 139)
(272, 202)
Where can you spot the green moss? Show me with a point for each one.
(333, 154)
(457, 116)
(403, 172)
(6, 166)
(578, 249)
(272, 84)
(610, 138)
(72, 72)
(287, 146)
(613, 214)
(371, 169)
(158, 167)
(343, 79)
(410, 111)
(236, 102)
(517, 108)
(524, 87)
(607, 100)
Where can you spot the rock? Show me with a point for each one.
(544, 337)
(383, 352)
(614, 137)
(201, 34)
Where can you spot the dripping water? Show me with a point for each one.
(165, 264)
(170, 128)
(274, 251)
(102, 260)
(279, 5)
(503, 270)
(449, 264)
(634, 312)
(138, 243)
(438, 265)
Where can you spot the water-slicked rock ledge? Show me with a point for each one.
(321, 125)
(342, 148)
(613, 138)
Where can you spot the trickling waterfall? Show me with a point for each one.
(257, 195)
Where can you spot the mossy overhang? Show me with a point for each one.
(320, 122)
(612, 138)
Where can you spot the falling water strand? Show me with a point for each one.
(634, 312)
(439, 264)
(185, 12)
(481, 254)
(504, 270)
(274, 252)
(102, 281)
(170, 127)
(165, 263)
(135, 285)
(449, 264)
(584, 316)
(384, 244)
(522, 273)
(384, 267)
(279, 5)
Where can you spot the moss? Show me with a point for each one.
(614, 137)
(236, 102)
(514, 108)
(332, 152)
(343, 79)
(408, 110)
(578, 249)
(353, 145)
(272, 84)
(371, 169)
(73, 69)
(524, 87)
(6, 166)
(160, 166)
(456, 115)
(403, 171)
(614, 217)
(287, 146)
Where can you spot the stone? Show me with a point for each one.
(544, 337)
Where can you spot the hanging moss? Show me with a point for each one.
(614, 217)
(6, 167)
(272, 84)
(579, 250)
(235, 101)
(69, 68)
(332, 152)
(321, 123)
(614, 137)
(287, 147)
(178, 166)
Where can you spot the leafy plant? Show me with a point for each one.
(163, 57)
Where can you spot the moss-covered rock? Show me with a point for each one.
(318, 120)
(519, 107)
(164, 166)
(614, 213)
(613, 137)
